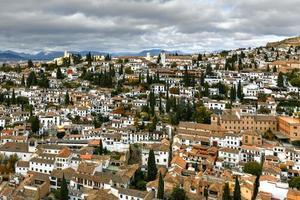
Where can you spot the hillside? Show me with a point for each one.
(294, 41)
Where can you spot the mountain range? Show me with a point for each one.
(50, 55)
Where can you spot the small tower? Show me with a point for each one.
(66, 54)
(163, 58)
(32, 144)
(215, 120)
(148, 56)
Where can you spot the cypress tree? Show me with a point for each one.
(199, 57)
(35, 124)
(240, 91)
(226, 192)
(99, 149)
(152, 102)
(121, 70)
(206, 89)
(152, 170)
(206, 193)
(202, 79)
(59, 74)
(209, 70)
(268, 68)
(13, 97)
(64, 192)
(30, 64)
(280, 80)
(89, 58)
(237, 190)
(186, 77)
(160, 192)
(148, 77)
(161, 110)
(233, 94)
(23, 80)
(67, 98)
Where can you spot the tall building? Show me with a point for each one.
(290, 127)
(237, 121)
(66, 54)
(163, 58)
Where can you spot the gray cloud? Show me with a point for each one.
(132, 25)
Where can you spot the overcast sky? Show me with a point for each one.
(133, 25)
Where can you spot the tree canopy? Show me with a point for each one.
(253, 168)
(178, 194)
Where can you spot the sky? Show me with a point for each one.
(133, 25)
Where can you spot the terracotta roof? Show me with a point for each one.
(177, 160)
(86, 156)
(14, 147)
(132, 192)
(68, 173)
(86, 168)
(229, 150)
(41, 160)
(268, 178)
(65, 152)
(293, 192)
(101, 194)
(21, 163)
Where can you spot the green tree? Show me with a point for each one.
(23, 80)
(240, 91)
(152, 102)
(209, 70)
(206, 89)
(30, 64)
(233, 94)
(59, 74)
(186, 77)
(67, 98)
(35, 123)
(31, 80)
(280, 80)
(152, 169)
(160, 192)
(89, 58)
(178, 194)
(99, 149)
(64, 191)
(121, 69)
(237, 190)
(253, 168)
(43, 82)
(206, 193)
(226, 192)
(13, 97)
(295, 182)
(199, 57)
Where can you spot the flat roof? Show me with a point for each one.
(290, 119)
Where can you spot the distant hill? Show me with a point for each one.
(153, 52)
(5, 56)
(50, 55)
(294, 41)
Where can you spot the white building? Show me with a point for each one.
(161, 152)
(228, 157)
(277, 189)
